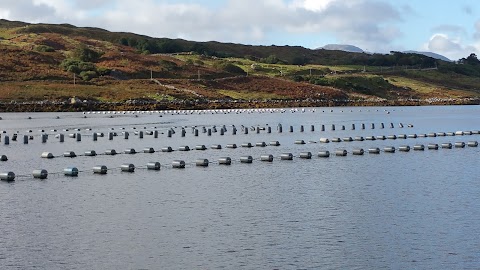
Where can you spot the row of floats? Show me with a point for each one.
(170, 132)
(202, 162)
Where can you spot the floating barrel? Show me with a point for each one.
(90, 153)
(412, 136)
(148, 150)
(333, 127)
(216, 146)
(274, 143)
(392, 137)
(341, 153)
(450, 133)
(299, 142)
(358, 152)
(268, 158)
(25, 139)
(201, 162)
(231, 145)
(359, 138)
(343, 127)
(441, 134)
(261, 144)
(155, 166)
(225, 161)
(247, 145)
(347, 139)
(459, 133)
(148, 132)
(6, 140)
(404, 148)
(269, 129)
(375, 150)
(94, 136)
(200, 147)
(389, 149)
(475, 131)
(167, 149)
(40, 174)
(422, 135)
(323, 154)
(245, 130)
(353, 126)
(335, 139)
(209, 132)
(323, 127)
(306, 155)
(432, 134)
(459, 145)
(382, 125)
(286, 156)
(370, 138)
(7, 176)
(291, 129)
(467, 133)
(432, 146)
(47, 155)
(419, 147)
(196, 133)
(78, 137)
(246, 159)
(372, 126)
(155, 134)
(3, 158)
(110, 152)
(140, 134)
(100, 134)
(44, 138)
(312, 128)
(69, 154)
(72, 135)
(402, 136)
(100, 169)
(178, 164)
(447, 145)
(472, 144)
(400, 125)
(184, 148)
(391, 125)
(127, 167)
(363, 126)
(126, 135)
(324, 140)
(70, 171)
(381, 137)
(279, 128)
(130, 151)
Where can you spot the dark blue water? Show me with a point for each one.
(406, 210)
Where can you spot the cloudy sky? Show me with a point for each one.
(450, 28)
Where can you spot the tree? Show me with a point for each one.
(85, 54)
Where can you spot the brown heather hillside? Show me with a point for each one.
(56, 62)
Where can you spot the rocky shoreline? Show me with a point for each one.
(141, 105)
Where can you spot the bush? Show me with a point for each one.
(88, 75)
(77, 66)
(44, 48)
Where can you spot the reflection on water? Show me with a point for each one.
(415, 210)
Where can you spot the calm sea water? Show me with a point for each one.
(406, 210)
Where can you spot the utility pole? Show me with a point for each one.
(74, 79)
(198, 74)
(151, 74)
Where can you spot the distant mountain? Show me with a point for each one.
(431, 54)
(342, 47)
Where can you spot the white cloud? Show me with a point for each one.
(450, 47)
(4, 14)
(366, 23)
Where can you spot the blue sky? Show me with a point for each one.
(450, 28)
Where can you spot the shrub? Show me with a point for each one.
(44, 48)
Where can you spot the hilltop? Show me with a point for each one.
(63, 67)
